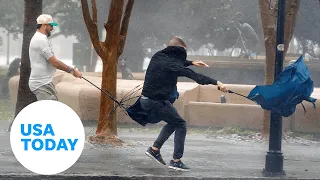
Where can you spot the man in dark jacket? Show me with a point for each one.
(160, 82)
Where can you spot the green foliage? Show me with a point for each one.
(3, 72)
(197, 22)
(5, 112)
(231, 130)
(308, 25)
(67, 13)
(153, 22)
(11, 16)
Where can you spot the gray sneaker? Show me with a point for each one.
(155, 155)
(179, 166)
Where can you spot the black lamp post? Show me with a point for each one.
(274, 157)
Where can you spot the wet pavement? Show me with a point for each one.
(209, 157)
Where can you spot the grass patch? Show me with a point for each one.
(238, 131)
(3, 71)
(6, 112)
(303, 135)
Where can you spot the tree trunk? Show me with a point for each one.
(107, 122)
(292, 9)
(32, 9)
(269, 23)
(106, 132)
(109, 51)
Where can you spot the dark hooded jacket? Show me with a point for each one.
(163, 71)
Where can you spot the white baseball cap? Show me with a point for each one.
(46, 19)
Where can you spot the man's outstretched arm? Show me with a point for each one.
(62, 66)
(201, 79)
(195, 63)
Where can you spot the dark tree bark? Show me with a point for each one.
(32, 9)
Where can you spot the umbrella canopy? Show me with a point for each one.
(292, 86)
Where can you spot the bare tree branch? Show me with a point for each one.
(124, 26)
(113, 23)
(94, 11)
(92, 27)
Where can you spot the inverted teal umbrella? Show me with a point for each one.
(292, 86)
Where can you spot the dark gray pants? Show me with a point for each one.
(164, 110)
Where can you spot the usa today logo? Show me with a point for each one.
(47, 137)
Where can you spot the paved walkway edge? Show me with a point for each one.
(105, 177)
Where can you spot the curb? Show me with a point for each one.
(111, 177)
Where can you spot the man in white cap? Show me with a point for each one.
(43, 61)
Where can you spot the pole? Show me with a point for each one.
(274, 157)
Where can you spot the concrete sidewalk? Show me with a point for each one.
(209, 157)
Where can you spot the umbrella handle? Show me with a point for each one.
(229, 91)
(232, 92)
(106, 92)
